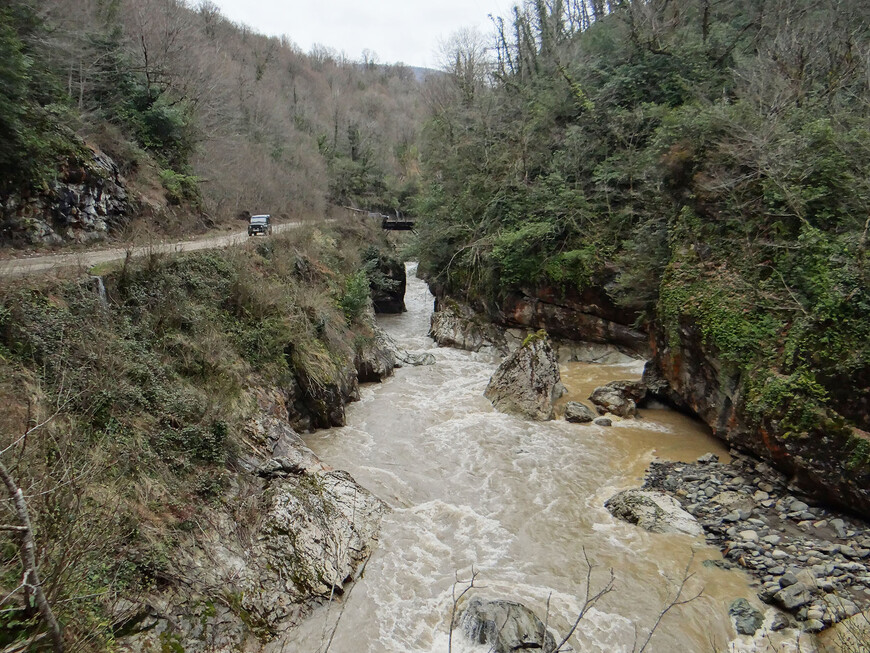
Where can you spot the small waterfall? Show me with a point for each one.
(100, 288)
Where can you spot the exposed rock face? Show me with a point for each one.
(504, 626)
(376, 361)
(388, 292)
(578, 413)
(588, 316)
(527, 381)
(319, 527)
(294, 533)
(619, 397)
(826, 462)
(653, 511)
(457, 325)
(88, 198)
(589, 328)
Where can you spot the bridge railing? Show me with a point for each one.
(397, 222)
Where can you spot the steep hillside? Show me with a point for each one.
(697, 170)
(191, 119)
(148, 419)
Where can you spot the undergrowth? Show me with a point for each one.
(136, 406)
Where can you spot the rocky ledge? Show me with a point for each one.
(290, 534)
(808, 560)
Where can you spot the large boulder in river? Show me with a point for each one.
(504, 627)
(387, 281)
(654, 511)
(619, 397)
(527, 381)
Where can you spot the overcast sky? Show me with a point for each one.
(397, 30)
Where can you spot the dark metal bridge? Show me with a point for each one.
(397, 223)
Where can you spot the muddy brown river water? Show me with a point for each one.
(519, 502)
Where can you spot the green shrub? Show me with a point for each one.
(181, 188)
(354, 295)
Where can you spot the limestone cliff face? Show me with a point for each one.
(829, 462)
(88, 198)
(590, 316)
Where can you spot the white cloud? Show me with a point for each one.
(397, 30)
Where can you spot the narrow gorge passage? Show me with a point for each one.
(518, 501)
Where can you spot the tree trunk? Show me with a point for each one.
(28, 560)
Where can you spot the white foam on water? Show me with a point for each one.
(641, 425)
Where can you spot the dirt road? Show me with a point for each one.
(37, 264)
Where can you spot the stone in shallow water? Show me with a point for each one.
(603, 421)
(747, 620)
(578, 413)
(619, 397)
(654, 511)
(504, 626)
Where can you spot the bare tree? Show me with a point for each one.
(464, 55)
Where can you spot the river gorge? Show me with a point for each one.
(519, 503)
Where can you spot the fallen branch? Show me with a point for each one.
(27, 552)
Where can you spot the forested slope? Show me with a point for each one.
(203, 119)
(705, 167)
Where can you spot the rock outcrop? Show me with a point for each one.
(88, 198)
(292, 533)
(653, 511)
(376, 360)
(829, 461)
(388, 281)
(619, 397)
(527, 381)
(589, 316)
(504, 627)
(473, 328)
(458, 325)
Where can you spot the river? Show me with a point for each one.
(519, 502)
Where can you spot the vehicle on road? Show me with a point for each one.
(260, 225)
